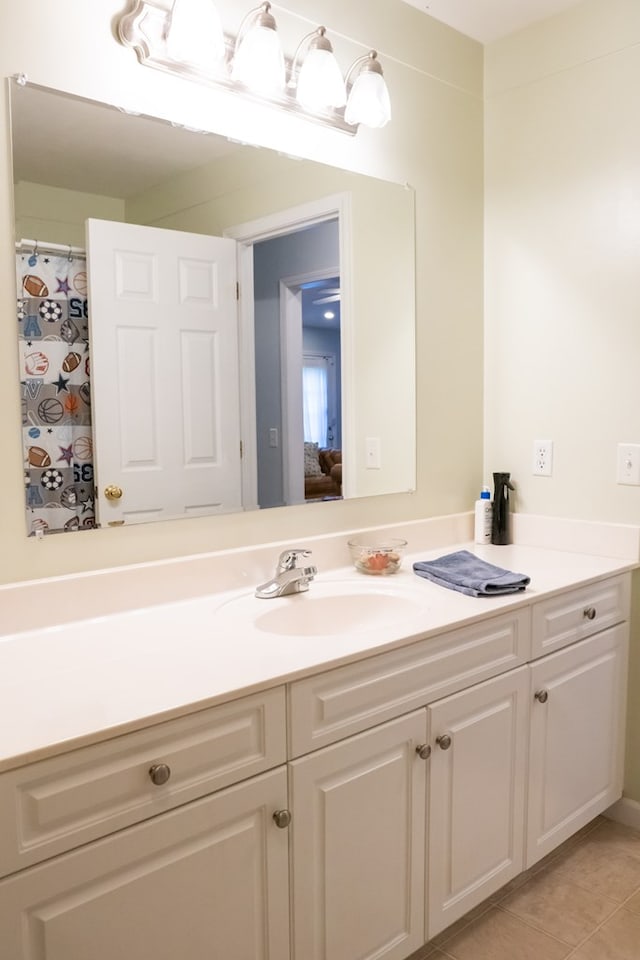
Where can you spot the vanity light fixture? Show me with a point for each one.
(368, 101)
(187, 41)
(258, 60)
(317, 82)
(203, 47)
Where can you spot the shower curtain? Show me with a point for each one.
(56, 401)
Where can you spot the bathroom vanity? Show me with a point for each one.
(355, 797)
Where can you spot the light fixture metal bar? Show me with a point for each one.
(144, 29)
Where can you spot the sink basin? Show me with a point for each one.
(326, 609)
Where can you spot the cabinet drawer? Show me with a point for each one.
(333, 705)
(54, 805)
(579, 613)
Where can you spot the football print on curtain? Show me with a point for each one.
(56, 401)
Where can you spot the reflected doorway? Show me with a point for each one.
(297, 338)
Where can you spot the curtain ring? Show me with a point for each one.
(70, 257)
(35, 249)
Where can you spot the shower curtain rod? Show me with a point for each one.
(40, 247)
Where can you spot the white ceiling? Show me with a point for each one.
(488, 20)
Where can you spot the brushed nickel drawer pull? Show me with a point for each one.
(423, 751)
(159, 773)
(541, 696)
(282, 818)
(589, 613)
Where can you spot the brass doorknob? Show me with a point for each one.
(112, 492)
(444, 742)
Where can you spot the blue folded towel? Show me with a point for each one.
(466, 573)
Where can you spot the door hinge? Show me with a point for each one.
(237, 290)
(241, 450)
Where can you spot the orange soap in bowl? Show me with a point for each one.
(377, 556)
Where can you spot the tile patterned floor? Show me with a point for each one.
(582, 902)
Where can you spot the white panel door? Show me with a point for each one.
(476, 794)
(577, 737)
(164, 369)
(358, 845)
(208, 881)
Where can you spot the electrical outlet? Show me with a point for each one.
(628, 464)
(543, 458)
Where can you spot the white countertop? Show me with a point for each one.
(85, 680)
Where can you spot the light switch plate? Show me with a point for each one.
(628, 464)
(372, 453)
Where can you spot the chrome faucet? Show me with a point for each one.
(289, 577)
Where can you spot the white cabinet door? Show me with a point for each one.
(358, 845)
(164, 368)
(476, 794)
(577, 737)
(208, 880)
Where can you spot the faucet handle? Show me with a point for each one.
(288, 559)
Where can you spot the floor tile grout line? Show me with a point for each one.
(616, 905)
(532, 926)
(595, 930)
(550, 866)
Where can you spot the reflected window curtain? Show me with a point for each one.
(53, 344)
(314, 402)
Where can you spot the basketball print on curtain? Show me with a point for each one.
(56, 398)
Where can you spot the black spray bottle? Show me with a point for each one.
(501, 524)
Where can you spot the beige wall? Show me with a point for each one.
(562, 253)
(562, 243)
(59, 215)
(434, 143)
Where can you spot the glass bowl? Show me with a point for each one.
(377, 555)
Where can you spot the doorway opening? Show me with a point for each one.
(294, 320)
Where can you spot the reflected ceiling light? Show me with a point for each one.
(318, 83)
(188, 41)
(329, 315)
(368, 101)
(258, 60)
(203, 46)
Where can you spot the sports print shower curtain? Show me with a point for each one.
(56, 402)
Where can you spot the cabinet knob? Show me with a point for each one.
(589, 613)
(423, 751)
(159, 773)
(541, 696)
(444, 741)
(282, 818)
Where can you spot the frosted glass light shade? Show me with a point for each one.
(259, 61)
(320, 83)
(194, 34)
(368, 101)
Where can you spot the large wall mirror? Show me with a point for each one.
(151, 388)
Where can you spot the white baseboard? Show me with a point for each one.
(625, 811)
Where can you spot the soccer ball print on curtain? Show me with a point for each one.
(56, 401)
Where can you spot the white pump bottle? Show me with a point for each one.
(483, 516)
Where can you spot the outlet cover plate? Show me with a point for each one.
(543, 458)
